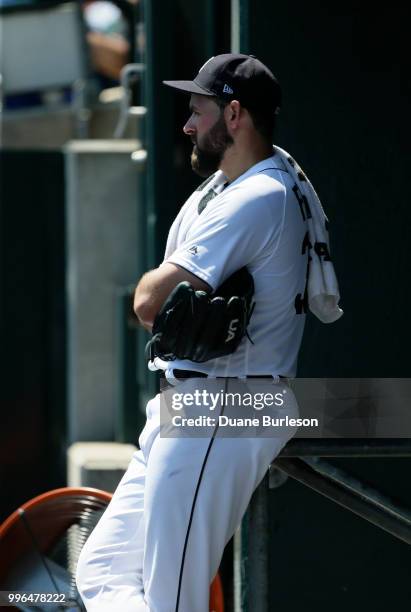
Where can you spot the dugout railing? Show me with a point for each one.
(303, 460)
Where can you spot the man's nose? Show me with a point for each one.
(189, 128)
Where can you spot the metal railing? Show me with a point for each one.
(300, 460)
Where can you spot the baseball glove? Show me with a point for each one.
(197, 326)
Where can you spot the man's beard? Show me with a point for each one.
(206, 158)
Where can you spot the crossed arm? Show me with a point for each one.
(155, 286)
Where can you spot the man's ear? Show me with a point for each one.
(233, 110)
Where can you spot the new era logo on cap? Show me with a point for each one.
(227, 89)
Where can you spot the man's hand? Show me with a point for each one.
(155, 286)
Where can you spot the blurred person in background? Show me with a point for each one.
(108, 38)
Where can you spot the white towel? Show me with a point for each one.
(322, 288)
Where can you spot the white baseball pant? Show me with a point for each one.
(132, 560)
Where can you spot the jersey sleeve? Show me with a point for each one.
(234, 231)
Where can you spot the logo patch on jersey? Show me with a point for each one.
(232, 328)
(193, 250)
(227, 89)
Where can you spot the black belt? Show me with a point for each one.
(181, 374)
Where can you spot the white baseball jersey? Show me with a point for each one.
(255, 222)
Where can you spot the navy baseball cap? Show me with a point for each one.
(235, 76)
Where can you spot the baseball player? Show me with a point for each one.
(227, 303)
